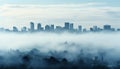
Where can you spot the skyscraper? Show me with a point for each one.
(52, 28)
(107, 27)
(67, 26)
(24, 29)
(47, 28)
(80, 28)
(15, 29)
(38, 27)
(31, 27)
(71, 27)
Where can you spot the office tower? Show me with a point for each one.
(80, 28)
(59, 29)
(71, 27)
(67, 25)
(24, 29)
(38, 27)
(47, 28)
(15, 29)
(95, 28)
(52, 27)
(31, 27)
(118, 29)
(91, 29)
(107, 27)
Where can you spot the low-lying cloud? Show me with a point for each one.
(38, 47)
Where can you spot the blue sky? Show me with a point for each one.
(109, 2)
(79, 12)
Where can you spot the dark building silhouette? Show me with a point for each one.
(52, 28)
(94, 29)
(80, 28)
(31, 27)
(107, 27)
(47, 28)
(118, 29)
(91, 29)
(71, 27)
(67, 26)
(15, 29)
(59, 29)
(39, 28)
(24, 29)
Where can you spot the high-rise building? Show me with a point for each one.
(15, 29)
(107, 27)
(47, 28)
(80, 28)
(52, 27)
(67, 26)
(95, 28)
(24, 29)
(59, 29)
(71, 27)
(31, 26)
(38, 27)
(118, 29)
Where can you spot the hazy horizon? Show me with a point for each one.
(86, 13)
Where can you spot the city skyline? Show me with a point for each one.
(86, 13)
(68, 27)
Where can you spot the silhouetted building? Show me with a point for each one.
(47, 28)
(94, 29)
(118, 29)
(67, 26)
(31, 26)
(52, 27)
(107, 27)
(91, 29)
(59, 29)
(39, 27)
(24, 29)
(71, 26)
(80, 28)
(15, 29)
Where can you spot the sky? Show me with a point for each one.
(80, 12)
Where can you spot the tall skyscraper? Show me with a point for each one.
(71, 27)
(67, 26)
(80, 28)
(52, 27)
(31, 26)
(38, 27)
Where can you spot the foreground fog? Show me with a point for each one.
(73, 47)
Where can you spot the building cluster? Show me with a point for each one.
(68, 27)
